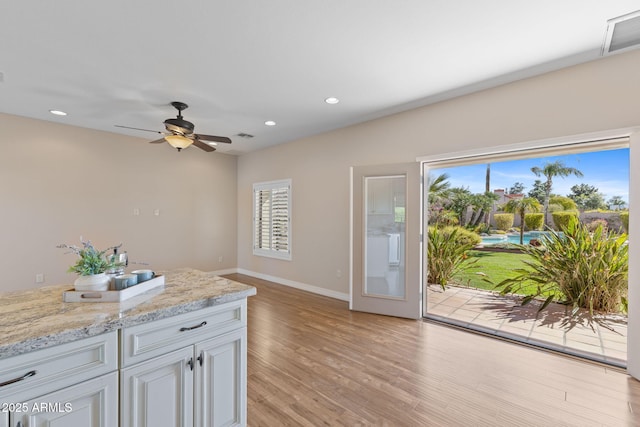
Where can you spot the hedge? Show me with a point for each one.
(504, 221)
(624, 216)
(561, 218)
(463, 236)
(534, 220)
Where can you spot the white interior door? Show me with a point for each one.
(386, 235)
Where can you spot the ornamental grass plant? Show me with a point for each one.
(447, 253)
(585, 269)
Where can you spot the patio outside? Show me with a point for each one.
(600, 337)
(565, 287)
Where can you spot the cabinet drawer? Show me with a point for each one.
(152, 339)
(47, 370)
(93, 403)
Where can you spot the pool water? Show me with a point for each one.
(512, 238)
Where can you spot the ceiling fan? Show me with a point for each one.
(179, 132)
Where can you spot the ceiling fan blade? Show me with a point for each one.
(213, 138)
(158, 141)
(203, 146)
(129, 127)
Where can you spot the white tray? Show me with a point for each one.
(113, 296)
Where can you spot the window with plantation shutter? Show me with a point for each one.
(272, 219)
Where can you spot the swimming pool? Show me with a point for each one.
(495, 239)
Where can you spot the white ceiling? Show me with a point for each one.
(238, 63)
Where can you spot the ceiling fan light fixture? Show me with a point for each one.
(178, 141)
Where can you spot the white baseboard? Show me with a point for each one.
(302, 286)
(225, 271)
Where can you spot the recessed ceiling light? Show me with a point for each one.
(58, 112)
(270, 123)
(332, 100)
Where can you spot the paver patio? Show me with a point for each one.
(598, 337)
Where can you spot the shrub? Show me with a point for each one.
(443, 217)
(562, 218)
(566, 203)
(504, 221)
(463, 236)
(554, 207)
(482, 228)
(593, 225)
(624, 216)
(447, 253)
(587, 269)
(534, 221)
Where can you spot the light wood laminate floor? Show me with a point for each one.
(313, 362)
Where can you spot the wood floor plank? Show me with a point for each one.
(312, 362)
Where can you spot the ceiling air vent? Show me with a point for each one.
(623, 33)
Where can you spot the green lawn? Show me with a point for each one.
(497, 266)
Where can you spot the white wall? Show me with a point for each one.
(59, 182)
(591, 97)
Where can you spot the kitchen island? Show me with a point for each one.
(172, 356)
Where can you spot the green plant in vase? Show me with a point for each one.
(91, 265)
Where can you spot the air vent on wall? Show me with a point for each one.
(623, 33)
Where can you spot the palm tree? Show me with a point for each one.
(521, 207)
(616, 202)
(487, 189)
(483, 204)
(487, 179)
(551, 170)
(439, 188)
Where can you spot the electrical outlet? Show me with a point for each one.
(338, 273)
(39, 278)
(136, 212)
(220, 258)
(156, 212)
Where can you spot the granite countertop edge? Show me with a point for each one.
(118, 319)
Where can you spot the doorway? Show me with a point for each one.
(470, 300)
(386, 240)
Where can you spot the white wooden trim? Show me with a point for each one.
(589, 141)
(298, 285)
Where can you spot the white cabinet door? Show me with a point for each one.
(221, 383)
(379, 195)
(93, 403)
(4, 419)
(159, 392)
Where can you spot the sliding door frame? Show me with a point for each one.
(620, 138)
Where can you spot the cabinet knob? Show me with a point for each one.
(201, 358)
(190, 363)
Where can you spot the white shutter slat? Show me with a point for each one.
(272, 204)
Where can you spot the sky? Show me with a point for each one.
(606, 170)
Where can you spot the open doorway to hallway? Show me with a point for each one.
(545, 228)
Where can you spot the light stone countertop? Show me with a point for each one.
(37, 318)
